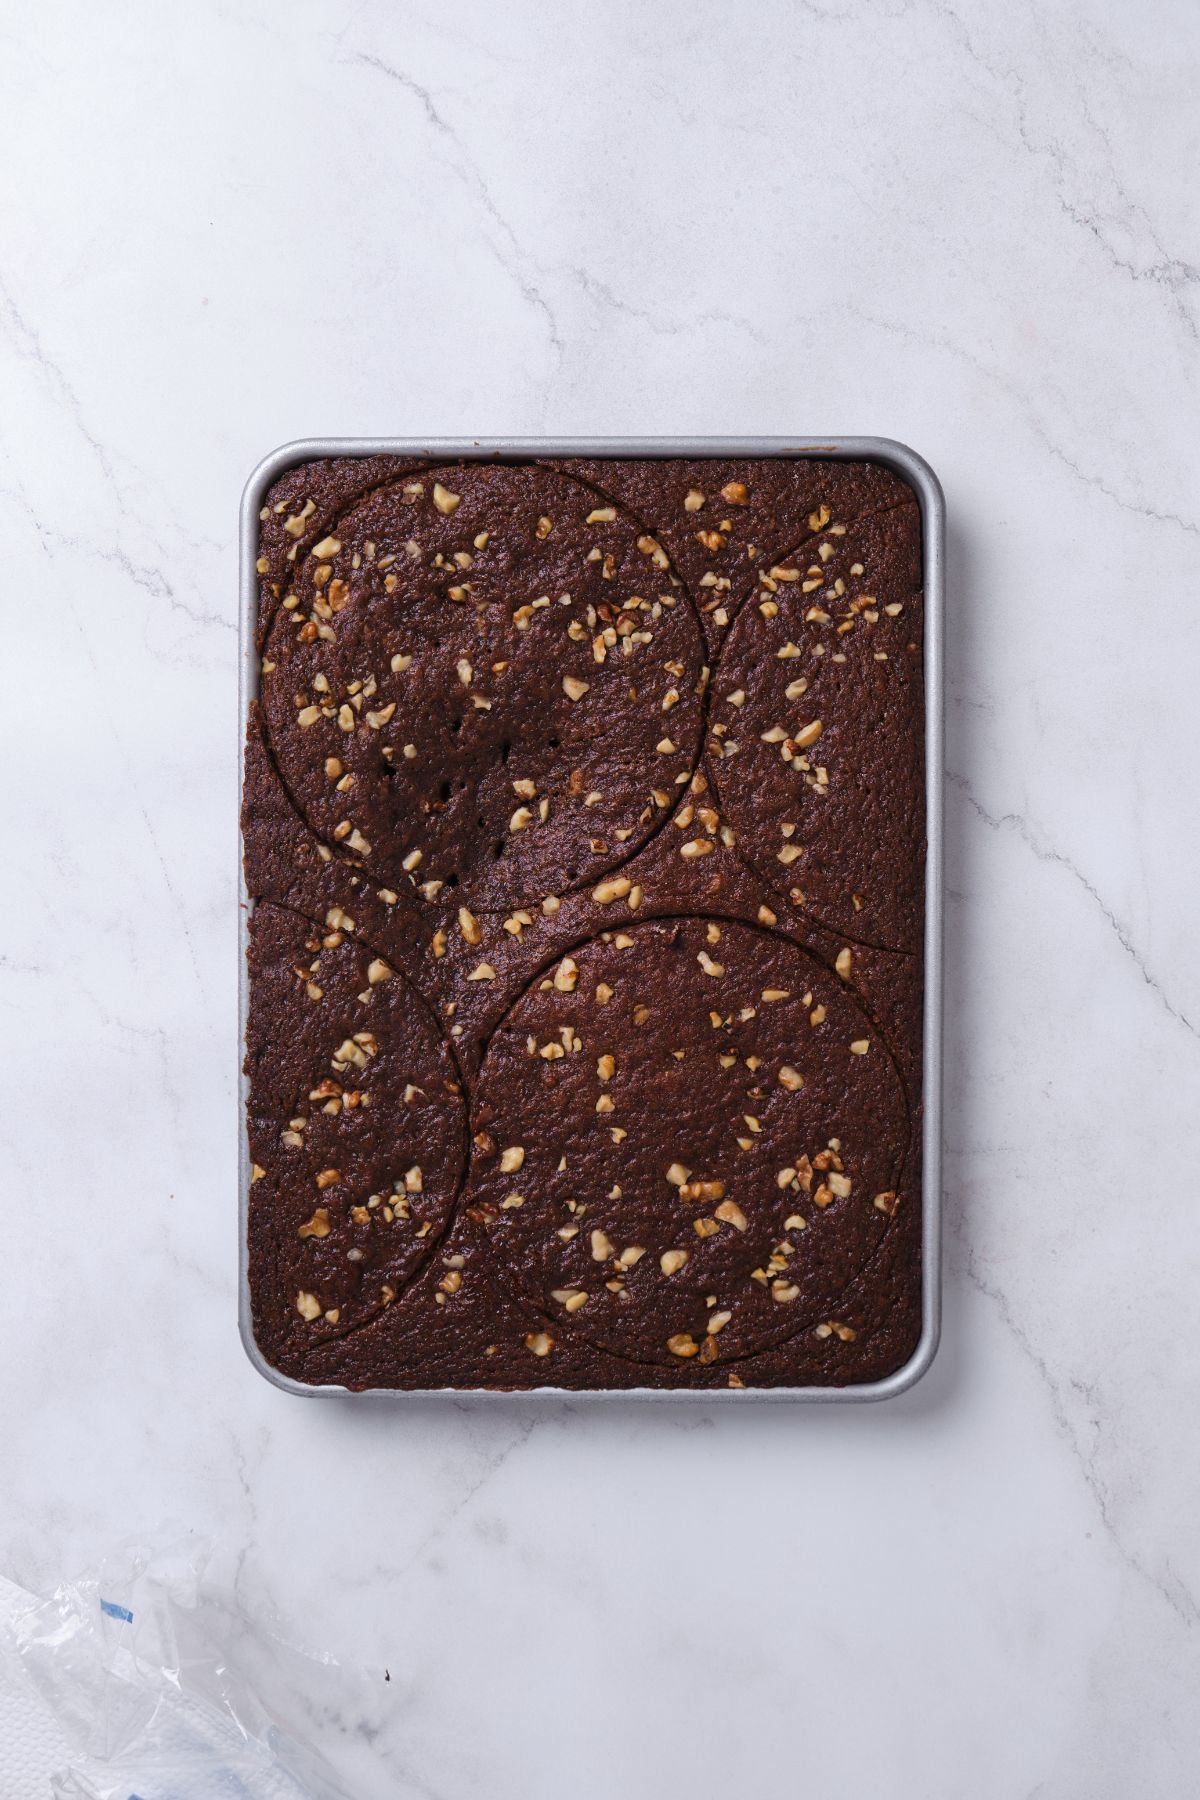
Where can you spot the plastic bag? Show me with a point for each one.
(138, 1667)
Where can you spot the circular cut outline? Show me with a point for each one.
(417, 905)
(572, 1323)
(769, 880)
(338, 1334)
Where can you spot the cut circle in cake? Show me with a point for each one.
(357, 1127)
(815, 742)
(687, 1139)
(486, 684)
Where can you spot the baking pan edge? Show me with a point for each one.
(921, 478)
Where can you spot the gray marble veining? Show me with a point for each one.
(973, 228)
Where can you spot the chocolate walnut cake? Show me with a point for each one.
(584, 814)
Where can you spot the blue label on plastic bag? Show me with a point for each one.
(117, 1612)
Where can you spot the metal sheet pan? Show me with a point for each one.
(921, 478)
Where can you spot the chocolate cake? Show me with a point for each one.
(584, 834)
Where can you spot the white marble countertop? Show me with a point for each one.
(970, 227)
